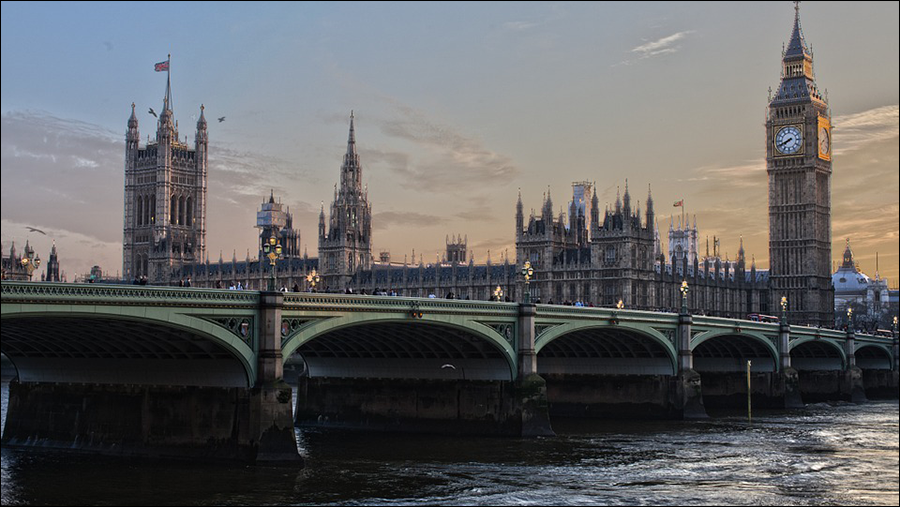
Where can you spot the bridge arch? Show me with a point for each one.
(727, 350)
(392, 346)
(114, 345)
(871, 356)
(601, 348)
(812, 353)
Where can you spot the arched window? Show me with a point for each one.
(173, 211)
(139, 211)
(181, 220)
(189, 213)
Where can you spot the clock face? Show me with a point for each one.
(824, 141)
(788, 140)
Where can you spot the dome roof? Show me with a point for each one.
(848, 280)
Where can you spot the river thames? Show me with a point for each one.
(825, 454)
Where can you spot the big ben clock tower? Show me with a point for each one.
(798, 162)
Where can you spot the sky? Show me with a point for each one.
(458, 107)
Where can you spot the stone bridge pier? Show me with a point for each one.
(732, 361)
(422, 369)
(144, 381)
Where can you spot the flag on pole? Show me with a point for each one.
(161, 66)
(679, 203)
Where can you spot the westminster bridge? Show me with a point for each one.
(181, 372)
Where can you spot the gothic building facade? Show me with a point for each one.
(798, 162)
(165, 198)
(617, 259)
(346, 246)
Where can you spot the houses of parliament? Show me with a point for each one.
(602, 257)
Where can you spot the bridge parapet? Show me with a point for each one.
(294, 301)
(125, 295)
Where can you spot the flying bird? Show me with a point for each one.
(153, 113)
(32, 229)
(221, 119)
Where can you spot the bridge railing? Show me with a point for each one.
(124, 295)
(360, 302)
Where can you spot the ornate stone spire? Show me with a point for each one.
(132, 120)
(797, 78)
(201, 123)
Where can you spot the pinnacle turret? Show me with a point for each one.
(201, 123)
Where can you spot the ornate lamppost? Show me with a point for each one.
(30, 265)
(849, 319)
(527, 272)
(894, 326)
(272, 249)
(620, 304)
(498, 294)
(784, 309)
(684, 293)
(312, 279)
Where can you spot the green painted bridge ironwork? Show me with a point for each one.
(160, 371)
(184, 336)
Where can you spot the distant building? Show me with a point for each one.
(853, 287)
(165, 198)
(275, 220)
(619, 259)
(456, 250)
(346, 246)
(52, 274)
(19, 267)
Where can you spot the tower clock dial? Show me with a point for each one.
(824, 141)
(788, 140)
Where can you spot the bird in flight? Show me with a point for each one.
(153, 113)
(221, 119)
(32, 229)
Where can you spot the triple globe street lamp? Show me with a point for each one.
(272, 250)
(528, 273)
(312, 279)
(30, 265)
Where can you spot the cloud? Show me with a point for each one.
(452, 162)
(853, 131)
(387, 219)
(665, 45)
(53, 172)
(498, 247)
(250, 173)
